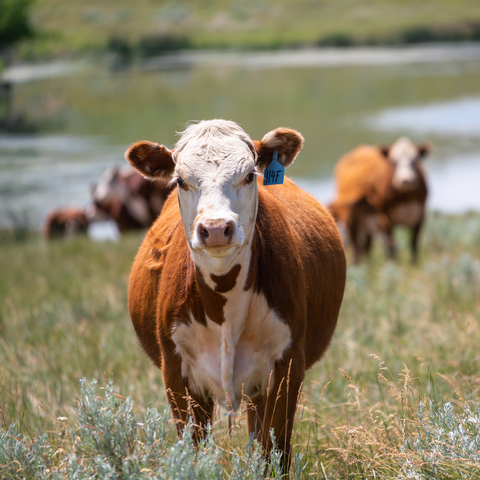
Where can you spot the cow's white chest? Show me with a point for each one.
(407, 214)
(235, 359)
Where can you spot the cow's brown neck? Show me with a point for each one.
(212, 299)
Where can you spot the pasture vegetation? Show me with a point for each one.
(396, 395)
(152, 27)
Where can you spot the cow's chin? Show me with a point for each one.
(219, 259)
(405, 187)
(216, 251)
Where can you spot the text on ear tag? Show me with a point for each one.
(275, 172)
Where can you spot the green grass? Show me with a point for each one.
(396, 395)
(86, 25)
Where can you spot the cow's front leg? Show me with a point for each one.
(184, 403)
(184, 406)
(386, 232)
(277, 409)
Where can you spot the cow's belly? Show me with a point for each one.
(236, 358)
(407, 214)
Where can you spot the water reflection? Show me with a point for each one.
(454, 183)
(39, 172)
(337, 100)
(458, 117)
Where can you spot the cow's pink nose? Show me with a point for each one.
(216, 233)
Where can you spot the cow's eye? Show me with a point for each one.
(180, 182)
(250, 177)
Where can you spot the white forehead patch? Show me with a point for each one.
(403, 150)
(214, 141)
(403, 154)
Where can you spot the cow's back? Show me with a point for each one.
(362, 172)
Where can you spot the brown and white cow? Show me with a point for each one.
(65, 222)
(127, 198)
(379, 188)
(237, 286)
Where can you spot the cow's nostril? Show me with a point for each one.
(212, 233)
(229, 230)
(204, 233)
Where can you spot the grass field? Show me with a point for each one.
(396, 395)
(153, 26)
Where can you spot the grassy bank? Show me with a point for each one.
(396, 395)
(153, 27)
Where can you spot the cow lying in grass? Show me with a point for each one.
(65, 222)
(237, 286)
(379, 188)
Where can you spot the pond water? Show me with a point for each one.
(84, 116)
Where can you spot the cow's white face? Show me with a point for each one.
(405, 155)
(105, 193)
(217, 190)
(215, 164)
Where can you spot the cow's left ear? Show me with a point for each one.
(423, 149)
(151, 159)
(288, 143)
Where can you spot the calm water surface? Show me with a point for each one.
(84, 116)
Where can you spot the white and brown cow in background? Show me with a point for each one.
(379, 188)
(237, 286)
(127, 198)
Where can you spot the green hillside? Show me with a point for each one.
(154, 26)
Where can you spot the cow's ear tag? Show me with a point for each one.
(275, 172)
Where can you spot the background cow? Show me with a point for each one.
(127, 198)
(65, 222)
(237, 286)
(379, 188)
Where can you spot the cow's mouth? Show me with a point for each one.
(220, 250)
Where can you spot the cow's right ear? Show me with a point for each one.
(151, 159)
(384, 150)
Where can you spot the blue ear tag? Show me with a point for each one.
(275, 172)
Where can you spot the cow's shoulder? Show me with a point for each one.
(292, 215)
(294, 236)
(163, 234)
(363, 173)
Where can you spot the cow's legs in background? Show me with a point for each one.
(390, 244)
(368, 244)
(414, 242)
(277, 411)
(386, 233)
(356, 244)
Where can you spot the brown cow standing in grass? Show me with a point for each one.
(379, 188)
(65, 222)
(127, 198)
(237, 286)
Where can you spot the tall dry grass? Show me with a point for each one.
(396, 395)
